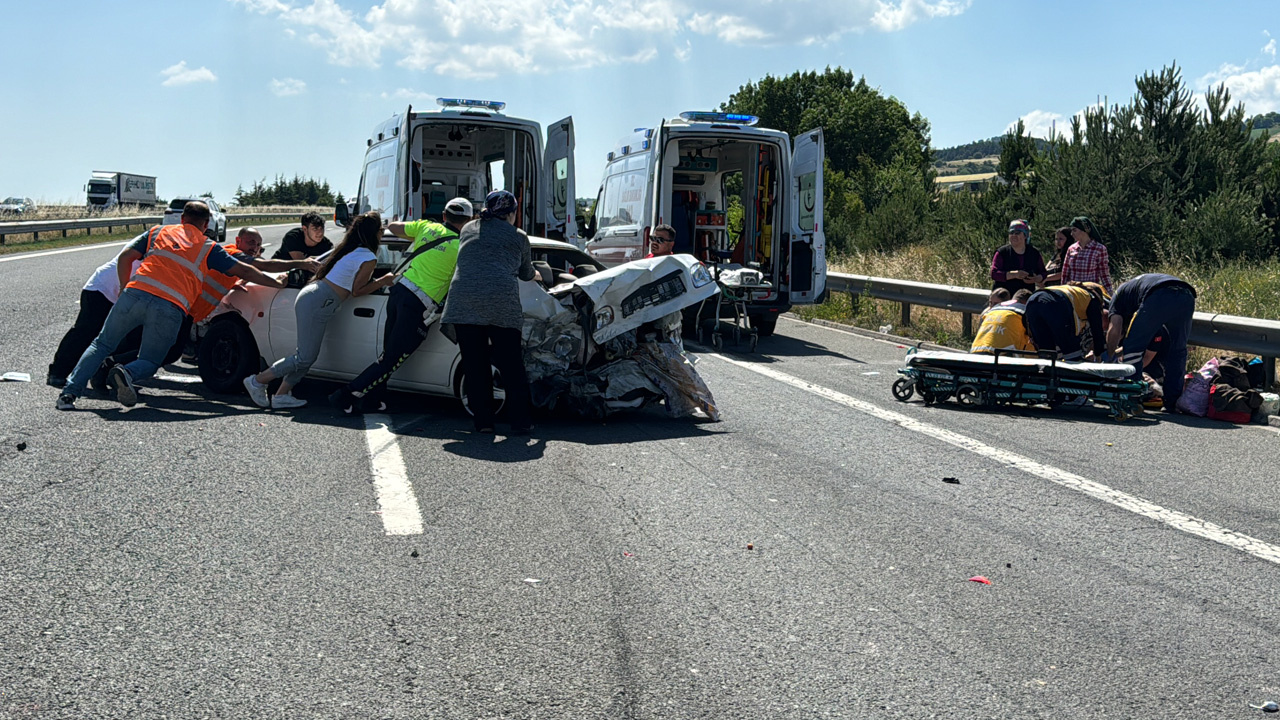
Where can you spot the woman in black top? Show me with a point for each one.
(1017, 265)
(1053, 269)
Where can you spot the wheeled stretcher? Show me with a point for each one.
(1010, 377)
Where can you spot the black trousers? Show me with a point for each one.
(486, 346)
(403, 332)
(94, 308)
(1051, 321)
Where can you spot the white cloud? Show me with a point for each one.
(413, 96)
(1270, 48)
(1042, 123)
(1259, 90)
(180, 74)
(287, 87)
(473, 39)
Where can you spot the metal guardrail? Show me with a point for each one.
(1254, 336)
(36, 227)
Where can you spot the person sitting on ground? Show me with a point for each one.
(1053, 268)
(1086, 260)
(1017, 265)
(1140, 309)
(662, 241)
(306, 241)
(997, 296)
(413, 304)
(348, 272)
(1056, 317)
(1004, 328)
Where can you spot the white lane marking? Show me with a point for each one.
(27, 256)
(396, 502)
(188, 379)
(1173, 518)
(896, 343)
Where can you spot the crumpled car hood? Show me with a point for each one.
(643, 291)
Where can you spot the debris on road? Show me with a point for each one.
(532, 581)
(951, 480)
(873, 372)
(980, 579)
(414, 553)
(627, 554)
(16, 377)
(750, 546)
(21, 446)
(1269, 706)
(1110, 444)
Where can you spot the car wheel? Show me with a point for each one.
(499, 392)
(222, 236)
(228, 354)
(764, 324)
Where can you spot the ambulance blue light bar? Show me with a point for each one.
(493, 105)
(719, 117)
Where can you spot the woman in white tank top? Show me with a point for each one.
(347, 272)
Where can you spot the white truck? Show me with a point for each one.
(107, 189)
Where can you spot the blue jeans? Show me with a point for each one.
(159, 320)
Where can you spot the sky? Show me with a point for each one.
(209, 95)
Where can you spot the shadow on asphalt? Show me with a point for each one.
(1073, 415)
(776, 346)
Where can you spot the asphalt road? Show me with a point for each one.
(196, 557)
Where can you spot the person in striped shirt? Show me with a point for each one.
(1087, 259)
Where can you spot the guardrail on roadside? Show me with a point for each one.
(36, 227)
(1254, 336)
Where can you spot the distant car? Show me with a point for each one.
(17, 206)
(217, 220)
(254, 326)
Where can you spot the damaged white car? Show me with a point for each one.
(596, 341)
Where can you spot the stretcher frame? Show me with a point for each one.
(1015, 377)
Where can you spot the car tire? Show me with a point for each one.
(764, 324)
(222, 236)
(228, 354)
(499, 392)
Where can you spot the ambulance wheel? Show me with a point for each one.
(903, 389)
(969, 396)
(499, 392)
(227, 355)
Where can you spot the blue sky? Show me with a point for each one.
(210, 94)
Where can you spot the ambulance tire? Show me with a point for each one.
(227, 355)
(764, 324)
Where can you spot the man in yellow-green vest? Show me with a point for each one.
(413, 303)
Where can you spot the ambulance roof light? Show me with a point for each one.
(719, 117)
(494, 105)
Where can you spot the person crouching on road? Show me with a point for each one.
(348, 272)
(1056, 317)
(1003, 328)
(162, 291)
(413, 304)
(1143, 307)
(484, 308)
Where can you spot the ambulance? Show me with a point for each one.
(416, 162)
(737, 195)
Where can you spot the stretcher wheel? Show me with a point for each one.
(969, 396)
(755, 340)
(903, 389)
(717, 341)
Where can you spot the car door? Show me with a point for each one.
(807, 257)
(558, 182)
(351, 338)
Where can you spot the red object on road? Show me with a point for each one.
(980, 579)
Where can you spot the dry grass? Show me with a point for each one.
(80, 212)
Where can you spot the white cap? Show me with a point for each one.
(459, 206)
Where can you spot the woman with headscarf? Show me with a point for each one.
(1017, 265)
(484, 310)
(1087, 259)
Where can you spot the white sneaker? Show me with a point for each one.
(285, 402)
(257, 392)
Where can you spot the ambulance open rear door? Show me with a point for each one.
(807, 254)
(560, 203)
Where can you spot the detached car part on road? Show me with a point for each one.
(596, 341)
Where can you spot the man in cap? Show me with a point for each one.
(413, 304)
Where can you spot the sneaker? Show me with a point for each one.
(66, 401)
(257, 392)
(285, 402)
(343, 402)
(1077, 401)
(119, 378)
(54, 381)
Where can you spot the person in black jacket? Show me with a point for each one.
(1017, 265)
(1140, 309)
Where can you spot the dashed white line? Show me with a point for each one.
(397, 504)
(1173, 518)
(98, 246)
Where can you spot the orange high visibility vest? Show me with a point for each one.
(216, 287)
(174, 266)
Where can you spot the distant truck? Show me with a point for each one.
(109, 189)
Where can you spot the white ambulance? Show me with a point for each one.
(417, 162)
(736, 195)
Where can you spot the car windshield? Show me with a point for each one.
(179, 203)
(13, 201)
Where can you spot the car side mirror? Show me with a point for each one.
(341, 214)
(585, 229)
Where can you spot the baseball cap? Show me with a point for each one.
(459, 206)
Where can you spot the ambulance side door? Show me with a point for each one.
(558, 182)
(807, 256)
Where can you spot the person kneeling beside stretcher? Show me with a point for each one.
(1003, 327)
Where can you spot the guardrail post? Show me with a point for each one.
(906, 314)
(966, 324)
